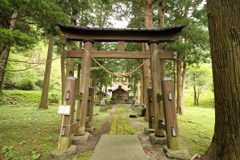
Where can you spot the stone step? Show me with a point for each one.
(118, 147)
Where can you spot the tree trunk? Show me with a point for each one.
(44, 98)
(146, 66)
(5, 53)
(183, 82)
(179, 84)
(198, 95)
(62, 64)
(224, 29)
(195, 96)
(161, 46)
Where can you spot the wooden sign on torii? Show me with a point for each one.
(150, 36)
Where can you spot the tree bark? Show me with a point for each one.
(5, 53)
(161, 46)
(224, 29)
(179, 84)
(195, 96)
(183, 82)
(146, 66)
(44, 98)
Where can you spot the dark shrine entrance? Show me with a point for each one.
(151, 36)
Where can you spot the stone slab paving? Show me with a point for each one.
(118, 147)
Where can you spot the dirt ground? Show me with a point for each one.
(96, 135)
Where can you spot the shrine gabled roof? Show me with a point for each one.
(120, 87)
(79, 33)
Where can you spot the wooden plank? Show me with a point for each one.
(120, 54)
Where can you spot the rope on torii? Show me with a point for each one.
(119, 74)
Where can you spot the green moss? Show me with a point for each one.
(120, 122)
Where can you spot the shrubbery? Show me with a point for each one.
(27, 98)
(26, 84)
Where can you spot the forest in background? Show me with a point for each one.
(28, 43)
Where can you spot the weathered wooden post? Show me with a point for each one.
(90, 108)
(156, 90)
(84, 88)
(150, 109)
(67, 111)
(170, 114)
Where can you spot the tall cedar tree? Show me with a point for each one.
(224, 29)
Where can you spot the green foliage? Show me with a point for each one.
(7, 152)
(35, 155)
(27, 98)
(16, 37)
(205, 100)
(14, 79)
(199, 77)
(30, 13)
(26, 84)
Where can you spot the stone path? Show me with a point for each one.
(120, 144)
(120, 124)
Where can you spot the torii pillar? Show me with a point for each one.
(84, 89)
(156, 90)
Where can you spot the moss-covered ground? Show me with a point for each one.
(120, 124)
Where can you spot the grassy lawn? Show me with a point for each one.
(196, 128)
(29, 133)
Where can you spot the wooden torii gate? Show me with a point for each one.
(91, 35)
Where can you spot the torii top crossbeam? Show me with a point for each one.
(78, 33)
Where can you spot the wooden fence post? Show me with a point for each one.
(170, 114)
(90, 107)
(150, 109)
(67, 120)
